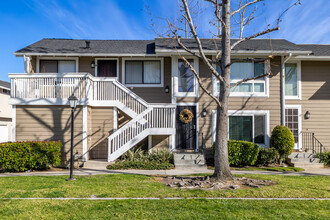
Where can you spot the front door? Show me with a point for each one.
(186, 132)
(292, 121)
(107, 68)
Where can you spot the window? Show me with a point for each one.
(292, 78)
(246, 126)
(57, 66)
(143, 72)
(291, 121)
(243, 70)
(186, 77)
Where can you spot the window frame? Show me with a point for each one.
(298, 96)
(175, 71)
(265, 81)
(161, 84)
(252, 113)
(76, 59)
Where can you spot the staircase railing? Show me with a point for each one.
(131, 133)
(311, 143)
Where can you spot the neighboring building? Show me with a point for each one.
(5, 112)
(132, 91)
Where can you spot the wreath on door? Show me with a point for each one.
(186, 116)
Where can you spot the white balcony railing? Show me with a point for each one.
(54, 86)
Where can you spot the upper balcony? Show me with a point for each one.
(55, 89)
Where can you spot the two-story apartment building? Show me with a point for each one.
(132, 91)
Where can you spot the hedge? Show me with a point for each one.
(325, 158)
(267, 156)
(23, 156)
(242, 153)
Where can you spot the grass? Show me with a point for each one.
(164, 209)
(125, 185)
(278, 169)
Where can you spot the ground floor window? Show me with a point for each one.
(246, 126)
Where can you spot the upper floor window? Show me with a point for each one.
(186, 77)
(244, 70)
(143, 72)
(185, 82)
(292, 80)
(57, 66)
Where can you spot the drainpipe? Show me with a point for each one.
(283, 61)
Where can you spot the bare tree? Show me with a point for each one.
(223, 12)
(244, 17)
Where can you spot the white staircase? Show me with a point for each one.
(55, 89)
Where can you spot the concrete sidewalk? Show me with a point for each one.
(98, 171)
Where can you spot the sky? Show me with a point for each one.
(24, 22)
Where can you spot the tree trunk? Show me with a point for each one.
(222, 169)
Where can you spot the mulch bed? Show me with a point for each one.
(206, 183)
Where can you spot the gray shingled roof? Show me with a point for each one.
(318, 49)
(4, 84)
(251, 45)
(96, 46)
(69, 46)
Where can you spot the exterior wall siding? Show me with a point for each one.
(271, 103)
(315, 78)
(50, 123)
(101, 126)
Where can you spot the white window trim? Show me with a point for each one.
(144, 85)
(243, 94)
(245, 113)
(175, 73)
(97, 59)
(57, 58)
(298, 96)
(197, 119)
(299, 123)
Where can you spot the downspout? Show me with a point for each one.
(283, 61)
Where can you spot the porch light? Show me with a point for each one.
(93, 64)
(167, 89)
(73, 101)
(307, 115)
(204, 113)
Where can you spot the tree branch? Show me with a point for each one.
(200, 81)
(248, 79)
(244, 6)
(199, 44)
(254, 36)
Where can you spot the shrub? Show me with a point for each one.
(242, 153)
(139, 159)
(325, 157)
(282, 140)
(142, 165)
(267, 156)
(22, 156)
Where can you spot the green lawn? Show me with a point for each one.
(164, 209)
(125, 185)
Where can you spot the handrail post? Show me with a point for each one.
(313, 144)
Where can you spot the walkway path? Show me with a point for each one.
(98, 170)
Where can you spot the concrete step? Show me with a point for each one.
(189, 162)
(96, 164)
(304, 160)
(302, 155)
(188, 156)
(191, 167)
(308, 165)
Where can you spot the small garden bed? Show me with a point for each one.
(139, 159)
